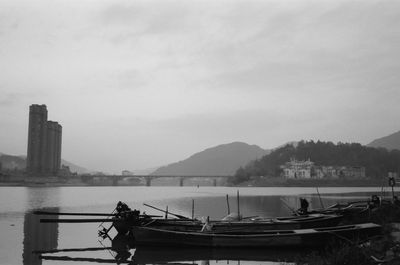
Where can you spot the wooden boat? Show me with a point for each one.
(355, 212)
(267, 238)
(255, 224)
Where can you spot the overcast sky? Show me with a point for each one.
(138, 84)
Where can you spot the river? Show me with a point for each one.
(22, 233)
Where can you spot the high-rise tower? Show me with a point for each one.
(44, 143)
(53, 153)
(37, 135)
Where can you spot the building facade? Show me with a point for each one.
(295, 169)
(44, 143)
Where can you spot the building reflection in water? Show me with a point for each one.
(39, 236)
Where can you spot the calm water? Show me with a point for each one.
(21, 233)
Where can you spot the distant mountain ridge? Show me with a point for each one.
(389, 142)
(19, 162)
(221, 160)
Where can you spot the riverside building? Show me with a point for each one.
(295, 169)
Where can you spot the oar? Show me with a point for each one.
(83, 214)
(80, 220)
(164, 211)
(97, 260)
(88, 214)
(70, 250)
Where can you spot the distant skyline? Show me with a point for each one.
(141, 84)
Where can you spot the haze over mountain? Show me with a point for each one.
(19, 162)
(389, 142)
(223, 159)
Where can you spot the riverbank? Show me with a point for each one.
(283, 185)
(281, 182)
(22, 181)
(380, 250)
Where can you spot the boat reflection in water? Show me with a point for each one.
(123, 253)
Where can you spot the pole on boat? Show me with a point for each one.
(177, 215)
(192, 208)
(290, 208)
(113, 211)
(238, 206)
(227, 203)
(392, 183)
(320, 200)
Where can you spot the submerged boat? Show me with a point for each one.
(268, 238)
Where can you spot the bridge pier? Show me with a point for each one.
(115, 181)
(181, 182)
(215, 182)
(148, 182)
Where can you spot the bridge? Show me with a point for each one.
(115, 180)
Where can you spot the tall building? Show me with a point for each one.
(44, 143)
(53, 152)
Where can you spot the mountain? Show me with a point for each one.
(12, 162)
(219, 160)
(389, 142)
(19, 162)
(74, 168)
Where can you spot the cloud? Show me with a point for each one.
(173, 72)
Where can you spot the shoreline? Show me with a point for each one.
(305, 185)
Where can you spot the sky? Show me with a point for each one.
(140, 84)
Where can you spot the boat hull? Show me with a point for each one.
(274, 238)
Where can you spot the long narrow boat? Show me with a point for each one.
(355, 212)
(283, 223)
(268, 238)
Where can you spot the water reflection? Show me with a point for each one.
(217, 207)
(265, 206)
(123, 254)
(38, 236)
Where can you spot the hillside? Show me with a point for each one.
(377, 162)
(219, 160)
(11, 162)
(74, 168)
(389, 142)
